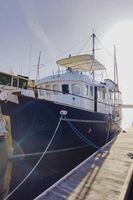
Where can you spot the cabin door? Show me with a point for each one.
(95, 99)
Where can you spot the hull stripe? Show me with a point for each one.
(85, 121)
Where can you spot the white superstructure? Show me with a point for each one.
(75, 88)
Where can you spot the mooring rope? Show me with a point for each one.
(108, 129)
(19, 185)
(81, 136)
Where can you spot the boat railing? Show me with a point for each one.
(76, 95)
(71, 94)
(71, 71)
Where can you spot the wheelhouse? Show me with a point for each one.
(14, 81)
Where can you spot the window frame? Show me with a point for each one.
(65, 90)
(48, 90)
(87, 89)
(21, 81)
(103, 94)
(5, 79)
(91, 91)
(16, 81)
(55, 91)
(73, 86)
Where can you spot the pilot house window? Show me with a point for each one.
(41, 91)
(104, 94)
(48, 89)
(75, 88)
(87, 90)
(22, 83)
(65, 88)
(55, 89)
(5, 79)
(91, 90)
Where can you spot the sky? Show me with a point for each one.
(58, 28)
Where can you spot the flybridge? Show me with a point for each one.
(82, 63)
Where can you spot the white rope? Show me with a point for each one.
(11, 193)
(108, 130)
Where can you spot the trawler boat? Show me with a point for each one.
(69, 107)
(89, 106)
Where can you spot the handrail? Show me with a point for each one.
(83, 97)
(39, 88)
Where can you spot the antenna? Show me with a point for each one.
(38, 67)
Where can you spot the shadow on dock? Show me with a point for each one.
(95, 166)
(80, 179)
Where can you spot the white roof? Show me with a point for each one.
(83, 63)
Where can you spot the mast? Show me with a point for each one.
(93, 44)
(116, 69)
(114, 78)
(38, 66)
(93, 51)
(116, 88)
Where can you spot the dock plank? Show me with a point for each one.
(106, 175)
(6, 151)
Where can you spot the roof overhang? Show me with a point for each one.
(83, 63)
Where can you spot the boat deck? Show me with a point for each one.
(106, 175)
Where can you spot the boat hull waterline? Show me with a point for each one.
(34, 121)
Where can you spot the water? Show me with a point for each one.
(127, 118)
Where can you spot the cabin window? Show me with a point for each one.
(22, 83)
(75, 88)
(99, 94)
(87, 90)
(15, 82)
(41, 91)
(103, 94)
(48, 89)
(91, 90)
(56, 89)
(110, 94)
(5, 79)
(65, 88)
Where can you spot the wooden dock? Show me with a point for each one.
(106, 175)
(6, 151)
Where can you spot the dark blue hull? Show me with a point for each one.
(34, 121)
